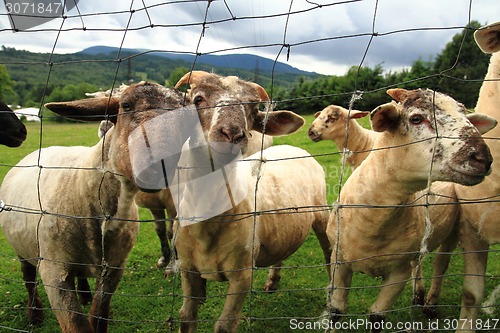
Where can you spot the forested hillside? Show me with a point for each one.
(26, 77)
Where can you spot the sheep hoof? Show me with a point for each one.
(376, 320)
(161, 263)
(335, 315)
(169, 271)
(430, 311)
(419, 298)
(35, 316)
(271, 285)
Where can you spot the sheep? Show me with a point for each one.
(478, 221)
(385, 231)
(12, 130)
(337, 124)
(158, 202)
(72, 213)
(223, 240)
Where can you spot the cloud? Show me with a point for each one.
(323, 36)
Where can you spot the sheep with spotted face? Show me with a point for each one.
(339, 125)
(74, 216)
(479, 221)
(290, 198)
(425, 134)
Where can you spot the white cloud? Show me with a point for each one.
(326, 40)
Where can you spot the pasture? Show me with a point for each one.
(147, 302)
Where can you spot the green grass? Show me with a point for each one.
(147, 302)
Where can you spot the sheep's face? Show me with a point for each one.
(432, 131)
(228, 109)
(326, 123)
(331, 122)
(12, 130)
(142, 127)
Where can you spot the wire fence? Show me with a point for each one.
(148, 298)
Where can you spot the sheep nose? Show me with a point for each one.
(483, 157)
(232, 134)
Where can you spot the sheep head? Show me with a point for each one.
(228, 108)
(331, 122)
(147, 124)
(12, 130)
(432, 130)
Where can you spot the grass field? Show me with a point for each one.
(146, 302)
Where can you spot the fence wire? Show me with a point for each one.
(147, 299)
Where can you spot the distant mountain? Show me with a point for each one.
(240, 61)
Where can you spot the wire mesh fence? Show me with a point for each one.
(188, 33)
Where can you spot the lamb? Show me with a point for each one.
(224, 243)
(12, 130)
(383, 238)
(81, 220)
(478, 221)
(334, 122)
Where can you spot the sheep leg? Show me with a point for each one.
(274, 277)
(475, 259)
(161, 231)
(237, 291)
(418, 283)
(35, 306)
(340, 286)
(105, 287)
(440, 266)
(319, 228)
(83, 290)
(194, 293)
(392, 286)
(60, 288)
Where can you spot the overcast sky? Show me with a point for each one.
(327, 39)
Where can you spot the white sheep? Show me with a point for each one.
(339, 125)
(12, 130)
(162, 201)
(71, 209)
(282, 191)
(478, 216)
(379, 223)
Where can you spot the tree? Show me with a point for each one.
(7, 93)
(462, 66)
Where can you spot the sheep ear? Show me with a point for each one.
(190, 78)
(316, 115)
(89, 109)
(384, 117)
(355, 114)
(488, 38)
(278, 123)
(261, 92)
(482, 122)
(398, 94)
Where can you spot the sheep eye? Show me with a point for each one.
(416, 119)
(198, 100)
(126, 106)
